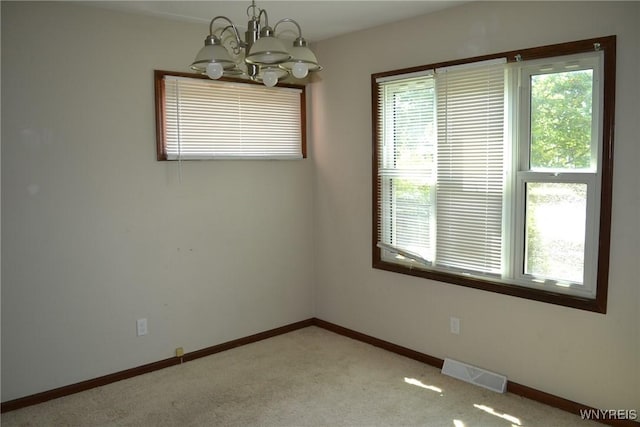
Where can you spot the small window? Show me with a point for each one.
(495, 172)
(199, 119)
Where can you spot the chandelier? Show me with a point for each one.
(261, 55)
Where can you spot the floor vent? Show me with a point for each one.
(475, 375)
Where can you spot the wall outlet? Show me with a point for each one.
(454, 324)
(141, 327)
(179, 352)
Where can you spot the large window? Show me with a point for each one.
(199, 118)
(495, 172)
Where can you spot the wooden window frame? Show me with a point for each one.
(597, 304)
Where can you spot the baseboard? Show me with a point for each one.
(515, 388)
(67, 390)
(512, 387)
(394, 348)
(34, 399)
(247, 340)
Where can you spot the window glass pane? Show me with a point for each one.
(561, 120)
(411, 219)
(409, 124)
(555, 230)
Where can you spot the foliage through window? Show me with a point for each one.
(495, 172)
(199, 118)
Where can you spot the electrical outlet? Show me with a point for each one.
(179, 352)
(454, 324)
(141, 327)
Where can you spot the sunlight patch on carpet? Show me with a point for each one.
(419, 383)
(492, 411)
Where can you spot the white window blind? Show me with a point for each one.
(406, 169)
(206, 119)
(470, 168)
(441, 167)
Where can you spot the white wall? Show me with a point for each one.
(97, 233)
(582, 356)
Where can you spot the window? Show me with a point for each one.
(198, 118)
(495, 172)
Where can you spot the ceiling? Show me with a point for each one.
(319, 20)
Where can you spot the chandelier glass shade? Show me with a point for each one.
(261, 56)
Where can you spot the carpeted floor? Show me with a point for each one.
(309, 377)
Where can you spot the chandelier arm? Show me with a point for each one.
(236, 49)
(283, 20)
(230, 28)
(266, 17)
(231, 25)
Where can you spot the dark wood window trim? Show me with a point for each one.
(160, 108)
(599, 304)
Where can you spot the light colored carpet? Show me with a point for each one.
(309, 377)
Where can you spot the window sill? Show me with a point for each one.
(580, 303)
